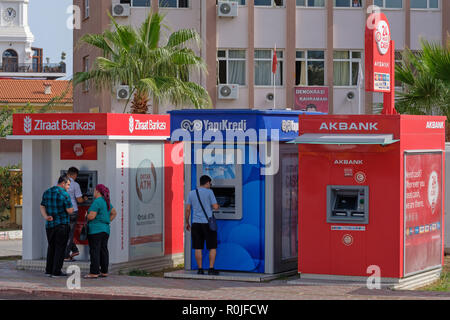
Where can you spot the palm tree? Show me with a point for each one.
(135, 58)
(426, 80)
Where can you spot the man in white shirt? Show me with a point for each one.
(77, 198)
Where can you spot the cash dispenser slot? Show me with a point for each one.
(347, 204)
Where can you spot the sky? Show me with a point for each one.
(48, 23)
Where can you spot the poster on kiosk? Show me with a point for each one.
(371, 187)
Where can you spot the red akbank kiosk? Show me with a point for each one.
(371, 189)
(370, 194)
(131, 155)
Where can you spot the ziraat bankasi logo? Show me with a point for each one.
(27, 124)
(30, 125)
(145, 125)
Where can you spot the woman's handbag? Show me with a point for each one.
(84, 232)
(211, 221)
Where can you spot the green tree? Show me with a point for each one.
(135, 58)
(426, 80)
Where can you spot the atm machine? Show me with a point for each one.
(257, 219)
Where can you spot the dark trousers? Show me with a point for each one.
(98, 250)
(57, 241)
(71, 246)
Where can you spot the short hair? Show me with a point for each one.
(204, 180)
(311, 106)
(63, 179)
(72, 170)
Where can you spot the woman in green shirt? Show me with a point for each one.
(100, 215)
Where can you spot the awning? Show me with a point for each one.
(313, 138)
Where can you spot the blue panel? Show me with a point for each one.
(241, 242)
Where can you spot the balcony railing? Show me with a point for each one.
(33, 68)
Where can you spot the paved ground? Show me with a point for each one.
(17, 284)
(10, 248)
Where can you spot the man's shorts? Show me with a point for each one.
(201, 233)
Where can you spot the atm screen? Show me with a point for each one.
(346, 202)
(225, 196)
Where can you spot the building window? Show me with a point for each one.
(263, 68)
(425, 4)
(310, 68)
(173, 3)
(141, 3)
(240, 2)
(231, 66)
(346, 68)
(310, 3)
(348, 3)
(269, 3)
(86, 9)
(86, 69)
(389, 4)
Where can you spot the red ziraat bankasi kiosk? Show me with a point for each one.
(132, 156)
(371, 187)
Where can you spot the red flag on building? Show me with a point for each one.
(275, 61)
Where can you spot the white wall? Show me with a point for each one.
(425, 24)
(233, 32)
(10, 158)
(344, 106)
(311, 32)
(270, 27)
(349, 28)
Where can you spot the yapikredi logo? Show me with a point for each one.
(222, 142)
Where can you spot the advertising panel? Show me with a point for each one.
(313, 99)
(146, 200)
(378, 53)
(423, 211)
(78, 149)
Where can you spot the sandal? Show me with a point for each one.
(102, 275)
(91, 276)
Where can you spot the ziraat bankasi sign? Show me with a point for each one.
(91, 124)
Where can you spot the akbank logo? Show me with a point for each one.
(191, 126)
(131, 124)
(27, 124)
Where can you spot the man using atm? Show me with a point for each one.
(77, 198)
(202, 201)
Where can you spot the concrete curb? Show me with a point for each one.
(11, 235)
(75, 294)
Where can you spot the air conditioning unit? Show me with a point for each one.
(123, 92)
(121, 10)
(227, 9)
(228, 91)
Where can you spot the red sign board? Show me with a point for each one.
(378, 54)
(311, 99)
(78, 149)
(91, 124)
(423, 211)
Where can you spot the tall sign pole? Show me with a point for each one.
(380, 60)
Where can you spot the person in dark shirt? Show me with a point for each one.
(55, 208)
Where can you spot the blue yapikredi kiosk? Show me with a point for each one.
(254, 173)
